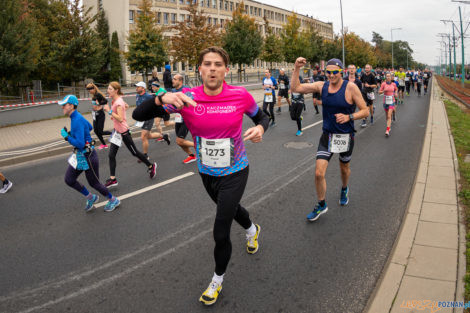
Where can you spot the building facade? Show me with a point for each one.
(122, 16)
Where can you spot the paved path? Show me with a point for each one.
(428, 261)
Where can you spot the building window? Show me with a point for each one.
(215, 21)
(221, 4)
(226, 6)
(251, 10)
(183, 66)
(173, 18)
(159, 17)
(222, 23)
(181, 17)
(181, 1)
(166, 17)
(202, 3)
(214, 4)
(209, 21)
(231, 6)
(175, 67)
(131, 17)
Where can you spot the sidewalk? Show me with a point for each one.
(428, 259)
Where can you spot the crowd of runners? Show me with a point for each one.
(213, 113)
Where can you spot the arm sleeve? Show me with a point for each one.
(259, 118)
(148, 110)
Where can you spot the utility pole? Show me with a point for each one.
(463, 52)
(442, 35)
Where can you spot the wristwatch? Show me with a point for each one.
(351, 117)
(160, 93)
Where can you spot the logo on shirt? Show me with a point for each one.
(199, 109)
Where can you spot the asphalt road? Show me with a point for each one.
(155, 252)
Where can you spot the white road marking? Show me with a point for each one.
(314, 124)
(140, 191)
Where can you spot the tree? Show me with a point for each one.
(242, 40)
(271, 51)
(193, 36)
(358, 51)
(19, 46)
(115, 72)
(377, 39)
(51, 17)
(315, 46)
(102, 29)
(294, 42)
(146, 46)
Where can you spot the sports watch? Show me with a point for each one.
(160, 93)
(351, 117)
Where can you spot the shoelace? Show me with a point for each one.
(251, 240)
(212, 288)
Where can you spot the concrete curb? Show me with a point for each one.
(392, 280)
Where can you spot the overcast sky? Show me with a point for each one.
(419, 20)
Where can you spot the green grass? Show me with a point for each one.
(460, 126)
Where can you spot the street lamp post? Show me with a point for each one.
(391, 33)
(342, 27)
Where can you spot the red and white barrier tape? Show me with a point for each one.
(45, 102)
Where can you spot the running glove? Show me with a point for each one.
(64, 133)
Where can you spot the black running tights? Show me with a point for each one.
(271, 110)
(98, 125)
(127, 139)
(226, 192)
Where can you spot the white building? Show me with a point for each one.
(122, 15)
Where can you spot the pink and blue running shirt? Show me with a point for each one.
(389, 90)
(217, 117)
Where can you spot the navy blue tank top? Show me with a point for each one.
(332, 104)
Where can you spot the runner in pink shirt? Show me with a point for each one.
(121, 134)
(214, 116)
(389, 89)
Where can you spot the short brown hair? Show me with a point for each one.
(220, 51)
(116, 86)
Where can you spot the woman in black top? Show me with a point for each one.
(98, 100)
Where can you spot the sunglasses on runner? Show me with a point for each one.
(333, 72)
(91, 88)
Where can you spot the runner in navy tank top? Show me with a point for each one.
(339, 101)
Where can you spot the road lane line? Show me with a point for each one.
(314, 124)
(85, 289)
(140, 191)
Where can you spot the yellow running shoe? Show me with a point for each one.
(209, 296)
(252, 241)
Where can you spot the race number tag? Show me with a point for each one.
(389, 100)
(401, 82)
(407, 79)
(139, 124)
(73, 160)
(282, 86)
(425, 75)
(268, 97)
(338, 143)
(178, 118)
(370, 95)
(216, 152)
(93, 114)
(116, 138)
(419, 80)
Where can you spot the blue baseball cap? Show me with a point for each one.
(336, 62)
(69, 99)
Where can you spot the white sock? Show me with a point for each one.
(218, 279)
(252, 230)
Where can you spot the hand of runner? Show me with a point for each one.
(106, 108)
(255, 134)
(178, 99)
(341, 118)
(300, 62)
